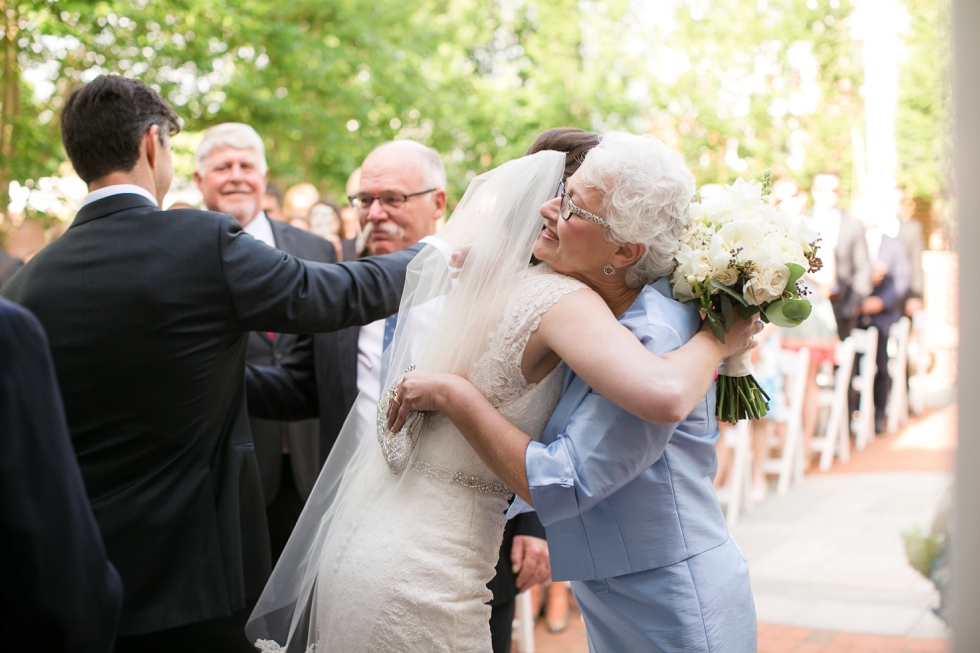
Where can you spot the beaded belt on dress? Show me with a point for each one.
(481, 485)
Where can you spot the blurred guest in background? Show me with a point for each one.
(788, 194)
(350, 216)
(842, 238)
(232, 174)
(272, 202)
(819, 332)
(890, 278)
(326, 223)
(298, 201)
(58, 591)
(910, 233)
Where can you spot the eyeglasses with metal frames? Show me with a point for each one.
(389, 201)
(568, 208)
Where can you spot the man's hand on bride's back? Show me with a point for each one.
(457, 260)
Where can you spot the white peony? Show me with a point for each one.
(786, 250)
(742, 235)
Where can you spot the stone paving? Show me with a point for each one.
(828, 566)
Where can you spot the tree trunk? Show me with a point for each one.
(10, 97)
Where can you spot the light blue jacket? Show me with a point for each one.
(618, 495)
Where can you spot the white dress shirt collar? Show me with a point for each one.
(118, 189)
(261, 229)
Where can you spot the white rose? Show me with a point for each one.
(727, 276)
(765, 284)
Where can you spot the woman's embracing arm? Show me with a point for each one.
(660, 389)
(500, 444)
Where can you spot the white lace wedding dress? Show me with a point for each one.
(411, 572)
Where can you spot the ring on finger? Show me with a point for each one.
(394, 398)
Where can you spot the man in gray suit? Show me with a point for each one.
(844, 236)
(232, 174)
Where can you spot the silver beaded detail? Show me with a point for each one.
(481, 485)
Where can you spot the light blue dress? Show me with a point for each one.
(631, 515)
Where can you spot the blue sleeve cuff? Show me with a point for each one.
(551, 480)
(518, 507)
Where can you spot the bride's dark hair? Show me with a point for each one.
(575, 143)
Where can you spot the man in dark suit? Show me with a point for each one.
(232, 174)
(891, 276)
(844, 236)
(148, 314)
(58, 591)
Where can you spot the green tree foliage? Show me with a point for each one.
(768, 84)
(322, 81)
(738, 86)
(922, 128)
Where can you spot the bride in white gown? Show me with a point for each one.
(391, 562)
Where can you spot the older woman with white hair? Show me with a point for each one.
(627, 503)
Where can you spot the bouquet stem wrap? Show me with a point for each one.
(738, 394)
(739, 364)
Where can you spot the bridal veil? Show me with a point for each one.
(444, 322)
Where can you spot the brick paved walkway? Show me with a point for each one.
(926, 444)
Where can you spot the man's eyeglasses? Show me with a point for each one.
(389, 201)
(568, 208)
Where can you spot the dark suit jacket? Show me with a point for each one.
(8, 266)
(58, 591)
(893, 288)
(302, 437)
(148, 314)
(853, 272)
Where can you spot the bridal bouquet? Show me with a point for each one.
(741, 254)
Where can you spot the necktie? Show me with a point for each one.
(389, 333)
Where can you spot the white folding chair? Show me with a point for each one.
(524, 623)
(897, 409)
(863, 425)
(733, 495)
(795, 365)
(918, 355)
(836, 432)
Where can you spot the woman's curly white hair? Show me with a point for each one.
(647, 191)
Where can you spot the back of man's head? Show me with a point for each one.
(103, 122)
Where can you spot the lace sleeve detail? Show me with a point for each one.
(498, 374)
